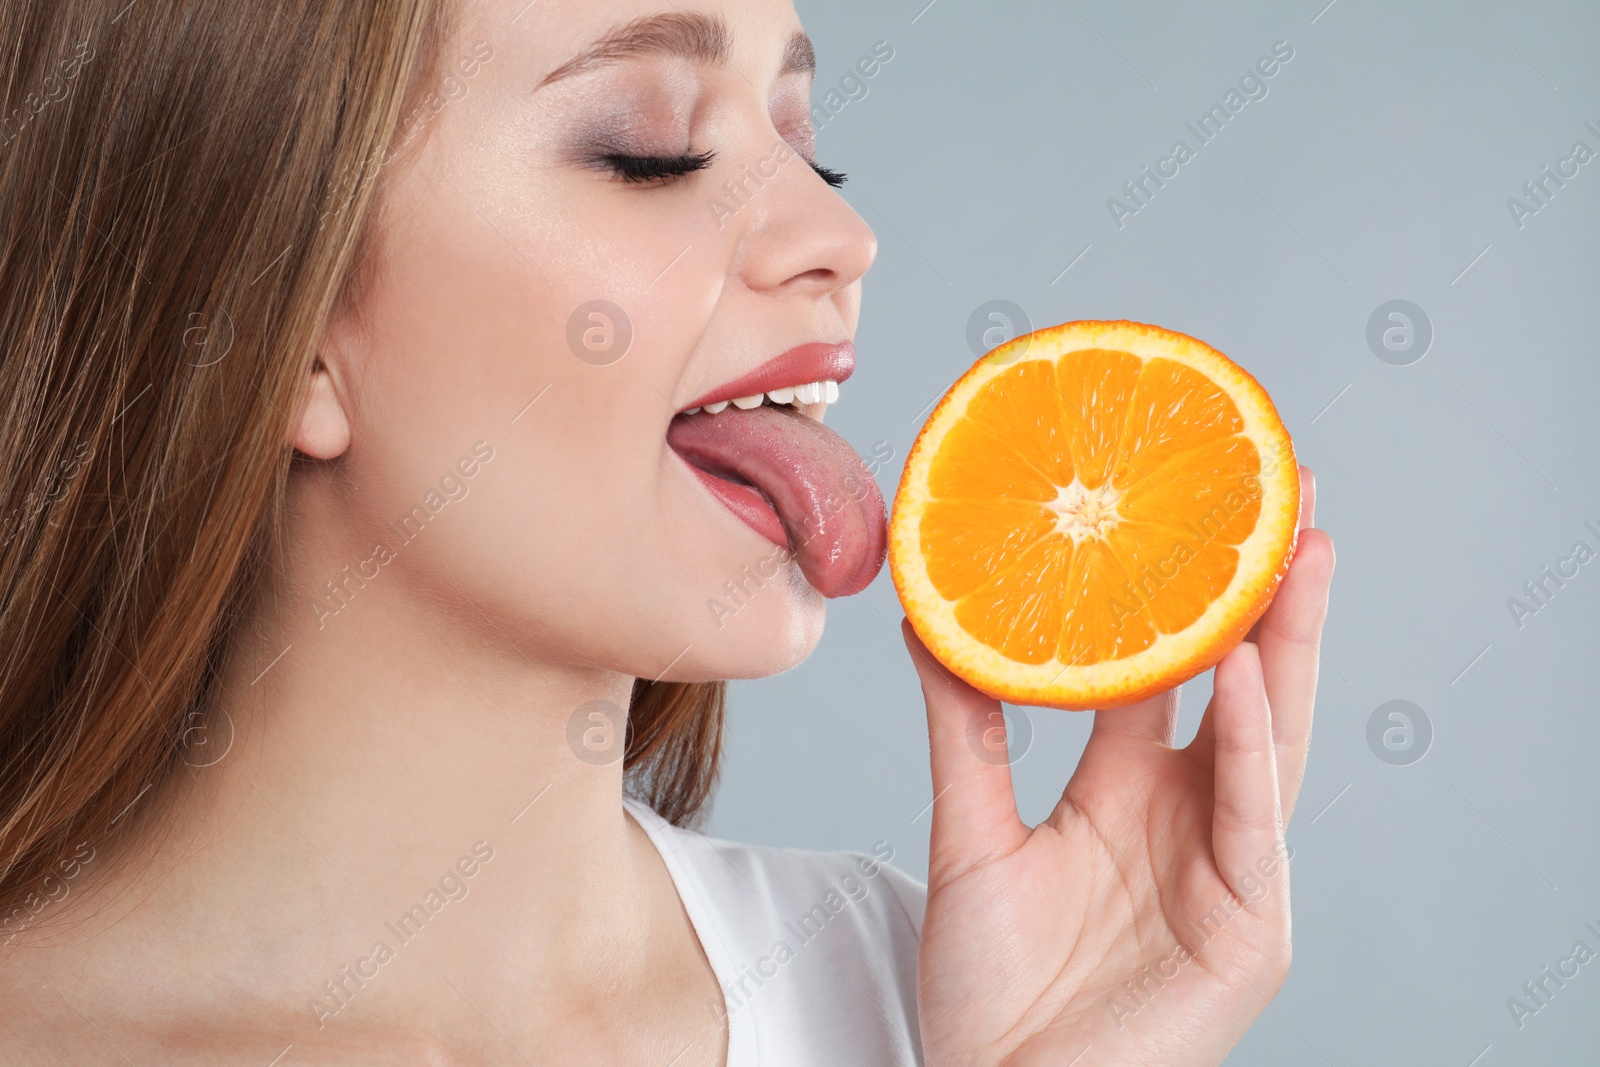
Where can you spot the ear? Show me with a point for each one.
(323, 429)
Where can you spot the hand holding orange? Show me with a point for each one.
(1094, 513)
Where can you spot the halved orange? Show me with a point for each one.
(1094, 513)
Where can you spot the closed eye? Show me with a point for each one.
(658, 169)
(834, 178)
(662, 169)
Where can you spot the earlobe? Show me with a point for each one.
(323, 430)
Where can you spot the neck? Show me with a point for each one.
(356, 766)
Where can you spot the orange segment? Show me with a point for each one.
(1212, 491)
(1172, 575)
(1015, 436)
(1112, 630)
(1097, 389)
(1095, 519)
(1174, 408)
(1018, 612)
(966, 542)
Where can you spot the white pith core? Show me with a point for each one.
(1082, 512)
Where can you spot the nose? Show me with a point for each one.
(798, 235)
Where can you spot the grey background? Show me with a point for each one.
(1377, 168)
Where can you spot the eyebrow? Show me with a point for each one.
(702, 38)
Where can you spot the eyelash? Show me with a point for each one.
(662, 169)
(834, 178)
(655, 168)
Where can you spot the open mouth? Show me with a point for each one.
(766, 456)
(823, 392)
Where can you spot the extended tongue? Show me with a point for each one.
(827, 500)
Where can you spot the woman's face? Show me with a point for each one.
(547, 305)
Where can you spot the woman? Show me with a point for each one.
(356, 522)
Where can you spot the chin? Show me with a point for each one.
(770, 632)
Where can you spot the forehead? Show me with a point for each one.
(564, 38)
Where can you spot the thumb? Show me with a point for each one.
(974, 810)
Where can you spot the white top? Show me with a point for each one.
(816, 952)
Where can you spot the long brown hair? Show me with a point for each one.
(190, 188)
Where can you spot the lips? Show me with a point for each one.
(785, 474)
(816, 362)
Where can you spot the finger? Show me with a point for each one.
(1152, 719)
(1289, 640)
(1308, 497)
(1308, 514)
(1290, 644)
(1246, 824)
(974, 810)
(1289, 635)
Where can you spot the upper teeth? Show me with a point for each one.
(825, 392)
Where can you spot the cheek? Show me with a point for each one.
(584, 532)
(589, 542)
(556, 326)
